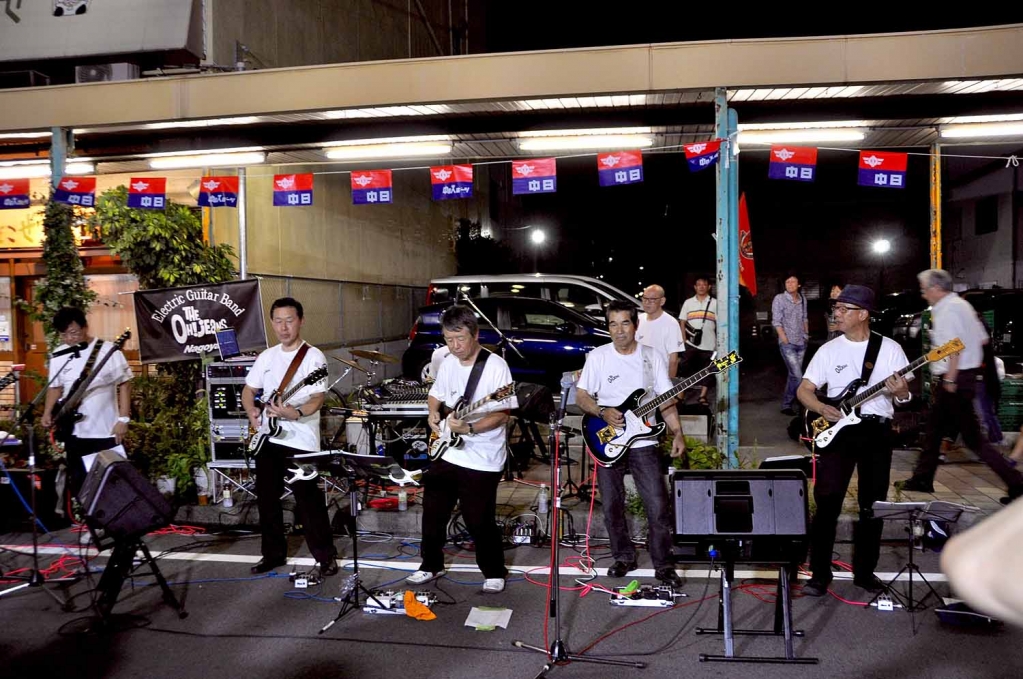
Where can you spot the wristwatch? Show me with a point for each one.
(471, 432)
(600, 411)
(124, 420)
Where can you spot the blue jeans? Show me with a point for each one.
(793, 355)
(986, 412)
(646, 472)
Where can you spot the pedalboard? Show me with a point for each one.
(646, 596)
(394, 602)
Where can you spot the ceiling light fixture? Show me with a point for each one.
(797, 136)
(1006, 129)
(393, 147)
(38, 170)
(178, 162)
(212, 122)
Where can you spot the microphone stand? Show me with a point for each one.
(34, 578)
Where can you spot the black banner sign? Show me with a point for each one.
(179, 324)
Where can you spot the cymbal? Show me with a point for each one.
(374, 356)
(350, 364)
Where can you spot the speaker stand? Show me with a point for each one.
(120, 566)
(782, 623)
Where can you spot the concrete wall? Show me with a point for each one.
(282, 33)
(986, 259)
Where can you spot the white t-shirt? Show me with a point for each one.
(662, 333)
(438, 356)
(99, 404)
(485, 451)
(953, 317)
(610, 377)
(268, 372)
(693, 312)
(839, 361)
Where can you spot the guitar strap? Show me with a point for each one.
(870, 358)
(90, 362)
(474, 378)
(295, 362)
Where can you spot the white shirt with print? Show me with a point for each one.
(839, 361)
(662, 333)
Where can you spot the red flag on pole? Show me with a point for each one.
(747, 271)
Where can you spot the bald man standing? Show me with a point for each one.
(659, 330)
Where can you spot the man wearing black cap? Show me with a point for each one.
(865, 446)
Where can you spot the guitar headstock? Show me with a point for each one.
(722, 364)
(507, 391)
(315, 376)
(949, 348)
(122, 338)
(8, 380)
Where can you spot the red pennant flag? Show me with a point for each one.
(747, 271)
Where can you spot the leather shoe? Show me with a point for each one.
(265, 564)
(329, 567)
(668, 576)
(914, 485)
(870, 582)
(619, 568)
(816, 587)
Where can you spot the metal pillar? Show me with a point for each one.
(936, 206)
(243, 235)
(61, 144)
(732, 274)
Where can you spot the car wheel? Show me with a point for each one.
(423, 374)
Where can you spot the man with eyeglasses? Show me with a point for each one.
(866, 446)
(955, 387)
(105, 407)
(657, 329)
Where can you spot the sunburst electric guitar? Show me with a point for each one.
(440, 443)
(608, 443)
(823, 432)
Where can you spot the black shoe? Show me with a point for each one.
(870, 582)
(788, 411)
(914, 485)
(619, 568)
(816, 587)
(668, 576)
(266, 564)
(329, 567)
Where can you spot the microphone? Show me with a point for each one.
(75, 349)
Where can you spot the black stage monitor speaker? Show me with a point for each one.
(119, 501)
(748, 516)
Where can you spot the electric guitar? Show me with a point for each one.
(269, 427)
(608, 443)
(822, 432)
(440, 443)
(65, 413)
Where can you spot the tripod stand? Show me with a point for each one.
(558, 652)
(356, 466)
(34, 578)
(914, 513)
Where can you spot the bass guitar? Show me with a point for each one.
(269, 427)
(65, 413)
(440, 443)
(821, 432)
(608, 443)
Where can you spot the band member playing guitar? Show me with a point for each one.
(277, 369)
(103, 398)
(866, 446)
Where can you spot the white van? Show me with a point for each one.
(582, 293)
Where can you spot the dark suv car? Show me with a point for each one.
(551, 338)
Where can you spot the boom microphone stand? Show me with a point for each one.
(34, 578)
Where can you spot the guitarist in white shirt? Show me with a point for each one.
(471, 473)
(865, 446)
(106, 404)
(299, 419)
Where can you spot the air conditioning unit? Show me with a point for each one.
(99, 73)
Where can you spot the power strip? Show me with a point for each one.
(646, 596)
(394, 602)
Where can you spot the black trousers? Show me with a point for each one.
(74, 450)
(955, 410)
(866, 447)
(444, 485)
(311, 511)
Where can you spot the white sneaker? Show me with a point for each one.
(493, 585)
(423, 577)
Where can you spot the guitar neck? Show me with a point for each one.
(466, 410)
(872, 391)
(649, 407)
(76, 397)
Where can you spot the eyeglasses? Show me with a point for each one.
(651, 299)
(842, 308)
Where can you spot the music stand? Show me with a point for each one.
(913, 513)
(356, 466)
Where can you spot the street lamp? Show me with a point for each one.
(881, 247)
(537, 236)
